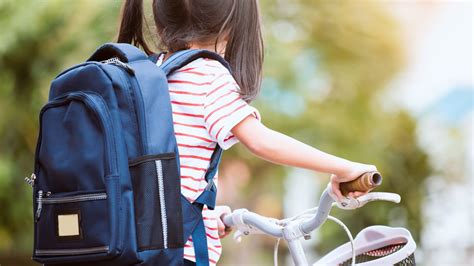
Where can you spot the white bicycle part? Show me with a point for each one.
(375, 245)
(349, 203)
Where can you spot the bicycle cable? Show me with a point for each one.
(275, 252)
(351, 239)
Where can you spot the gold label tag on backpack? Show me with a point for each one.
(68, 224)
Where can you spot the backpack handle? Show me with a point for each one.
(124, 51)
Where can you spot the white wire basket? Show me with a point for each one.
(374, 246)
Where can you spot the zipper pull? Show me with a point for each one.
(31, 180)
(126, 67)
(116, 61)
(40, 205)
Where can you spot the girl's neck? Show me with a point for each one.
(211, 47)
(220, 48)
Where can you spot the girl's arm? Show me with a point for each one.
(281, 149)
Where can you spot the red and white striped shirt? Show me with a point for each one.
(206, 105)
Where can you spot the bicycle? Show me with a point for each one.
(374, 245)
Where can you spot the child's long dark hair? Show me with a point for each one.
(182, 22)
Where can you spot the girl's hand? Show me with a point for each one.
(222, 229)
(353, 171)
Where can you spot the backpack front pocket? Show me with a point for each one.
(70, 224)
(77, 193)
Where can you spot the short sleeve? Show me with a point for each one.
(224, 108)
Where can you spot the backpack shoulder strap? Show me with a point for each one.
(208, 196)
(181, 58)
(154, 57)
(176, 61)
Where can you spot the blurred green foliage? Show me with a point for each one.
(326, 64)
(38, 40)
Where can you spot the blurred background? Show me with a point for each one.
(383, 82)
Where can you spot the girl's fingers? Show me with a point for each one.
(224, 209)
(335, 188)
(357, 194)
(221, 212)
(220, 228)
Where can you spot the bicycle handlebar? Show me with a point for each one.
(325, 205)
(365, 182)
(262, 223)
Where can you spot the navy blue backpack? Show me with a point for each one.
(106, 184)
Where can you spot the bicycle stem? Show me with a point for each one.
(365, 182)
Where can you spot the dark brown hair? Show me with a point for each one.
(180, 23)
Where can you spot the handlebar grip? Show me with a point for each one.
(363, 183)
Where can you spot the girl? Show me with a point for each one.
(211, 106)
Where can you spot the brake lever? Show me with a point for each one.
(350, 203)
(385, 196)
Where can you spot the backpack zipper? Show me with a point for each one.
(116, 61)
(161, 193)
(137, 100)
(97, 105)
(40, 205)
(72, 251)
(31, 180)
(78, 198)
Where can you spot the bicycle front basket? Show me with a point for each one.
(375, 245)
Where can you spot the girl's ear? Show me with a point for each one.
(221, 46)
(226, 37)
(221, 43)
